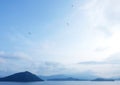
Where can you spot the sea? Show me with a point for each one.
(64, 83)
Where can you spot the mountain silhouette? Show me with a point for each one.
(64, 79)
(102, 79)
(22, 77)
(59, 76)
(85, 76)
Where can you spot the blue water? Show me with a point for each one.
(63, 83)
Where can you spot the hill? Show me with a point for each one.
(102, 79)
(22, 77)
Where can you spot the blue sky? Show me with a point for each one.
(31, 16)
(66, 34)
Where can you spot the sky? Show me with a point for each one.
(55, 36)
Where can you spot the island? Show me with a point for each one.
(64, 79)
(102, 79)
(21, 77)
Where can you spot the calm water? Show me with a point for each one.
(63, 83)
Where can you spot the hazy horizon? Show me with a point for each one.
(49, 37)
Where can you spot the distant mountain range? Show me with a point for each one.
(64, 79)
(30, 77)
(61, 76)
(86, 76)
(21, 77)
(75, 76)
(67, 78)
(103, 79)
(116, 78)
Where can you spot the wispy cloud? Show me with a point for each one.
(113, 59)
(16, 55)
(110, 67)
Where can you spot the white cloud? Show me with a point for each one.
(114, 58)
(110, 67)
(89, 29)
(90, 33)
(15, 62)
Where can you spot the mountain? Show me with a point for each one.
(64, 79)
(22, 77)
(102, 79)
(84, 76)
(60, 76)
(116, 78)
(88, 75)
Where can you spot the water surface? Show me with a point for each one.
(63, 83)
